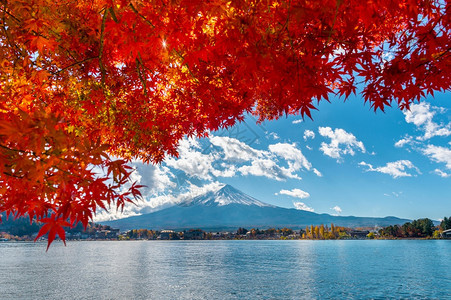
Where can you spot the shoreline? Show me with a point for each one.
(214, 240)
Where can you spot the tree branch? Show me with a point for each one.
(142, 17)
(102, 37)
(76, 63)
(187, 66)
(138, 68)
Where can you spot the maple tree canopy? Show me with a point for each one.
(86, 86)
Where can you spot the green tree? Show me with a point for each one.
(446, 223)
(423, 227)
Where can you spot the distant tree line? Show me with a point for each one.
(19, 226)
(421, 228)
(140, 234)
(322, 232)
(22, 227)
(261, 233)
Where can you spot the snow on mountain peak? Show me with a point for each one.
(224, 196)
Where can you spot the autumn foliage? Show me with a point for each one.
(86, 86)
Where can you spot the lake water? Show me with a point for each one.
(370, 269)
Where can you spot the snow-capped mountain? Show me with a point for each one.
(225, 196)
(229, 208)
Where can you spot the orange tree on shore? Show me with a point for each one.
(86, 86)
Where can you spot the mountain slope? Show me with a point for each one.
(230, 208)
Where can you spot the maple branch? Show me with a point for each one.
(20, 151)
(142, 17)
(102, 37)
(13, 175)
(445, 54)
(333, 22)
(285, 25)
(138, 63)
(187, 66)
(430, 31)
(76, 63)
(10, 149)
(11, 15)
(8, 37)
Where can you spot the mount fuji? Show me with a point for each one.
(224, 196)
(229, 208)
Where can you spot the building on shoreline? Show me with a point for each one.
(359, 234)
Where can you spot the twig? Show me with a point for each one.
(142, 17)
(102, 37)
(76, 63)
(143, 81)
(187, 66)
(333, 22)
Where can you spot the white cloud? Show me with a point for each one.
(296, 160)
(318, 173)
(194, 190)
(302, 206)
(387, 56)
(395, 169)
(273, 135)
(192, 161)
(156, 178)
(341, 142)
(229, 156)
(404, 141)
(234, 149)
(308, 134)
(228, 170)
(439, 154)
(393, 194)
(297, 121)
(268, 163)
(421, 115)
(113, 214)
(337, 209)
(297, 193)
(144, 206)
(441, 173)
(267, 168)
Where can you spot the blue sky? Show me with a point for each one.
(348, 160)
